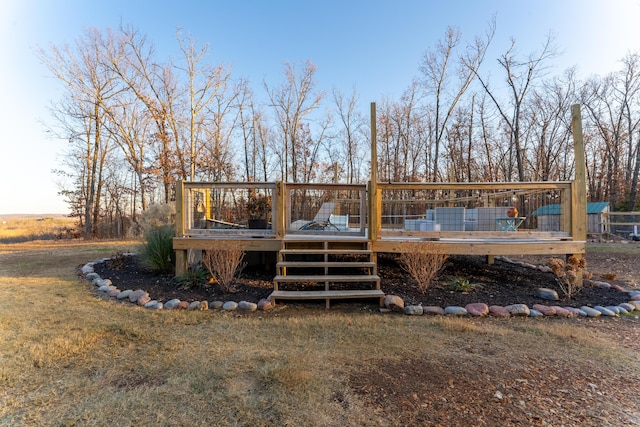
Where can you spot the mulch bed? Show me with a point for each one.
(501, 283)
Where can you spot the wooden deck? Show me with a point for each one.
(453, 246)
(456, 218)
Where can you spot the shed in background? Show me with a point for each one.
(548, 217)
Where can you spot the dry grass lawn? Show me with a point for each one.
(28, 228)
(67, 358)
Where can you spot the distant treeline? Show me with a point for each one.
(137, 122)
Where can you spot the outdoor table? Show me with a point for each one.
(510, 223)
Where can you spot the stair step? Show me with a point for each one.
(328, 278)
(370, 293)
(326, 251)
(302, 264)
(328, 239)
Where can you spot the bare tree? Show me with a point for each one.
(88, 83)
(606, 117)
(352, 135)
(204, 87)
(439, 67)
(156, 86)
(520, 76)
(293, 103)
(550, 128)
(629, 94)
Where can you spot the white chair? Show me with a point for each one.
(341, 222)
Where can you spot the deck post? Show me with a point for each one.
(280, 208)
(579, 189)
(374, 214)
(579, 185)
(181, 254)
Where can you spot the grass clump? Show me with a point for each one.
(461, 284)
(157, 253)
(194, 276)
(423, 261)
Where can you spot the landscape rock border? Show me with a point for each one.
(392, 303)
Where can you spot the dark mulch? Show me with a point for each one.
(498, 284)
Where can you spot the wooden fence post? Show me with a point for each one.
(181, 254)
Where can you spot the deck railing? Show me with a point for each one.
(446, 209)
(402, 209)
(211, 208)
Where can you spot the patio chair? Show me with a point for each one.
(322, 220)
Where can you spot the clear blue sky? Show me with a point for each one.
(374, 46)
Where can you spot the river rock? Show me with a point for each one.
(563, 312)
(414, 310)
(135, 295)
(113, 292)
(143, 299)
(573, 312)
(547, 294)
(518, 310)
(247, 306)
(265, 304)
(216, 305)
(124, 294)
(195, 305)
(627, 306)
(172, 304)
(477, 309)
(590, 312)
(613, 308)
(92, 275)
(499, 311)
(545, 310)
(617, 288)
(600, 284)
(183, 305)
(204, 306)
(633, 293)
(621, 310)
(394, 302)
(433, 310)
(604, 311)
(230, 306)
(535, 313)
(87, 268)
(455, 311)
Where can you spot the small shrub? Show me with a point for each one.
(195, 275)
(117, 261)
(157, 254)
(569, 274)
(224, 263)
(461, 284)
(156, 216)
(423, 261)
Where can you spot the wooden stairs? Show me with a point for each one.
(326, 269)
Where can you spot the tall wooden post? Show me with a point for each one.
(181, 254)
(279, 207)
(579, 190)
(373, 184)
